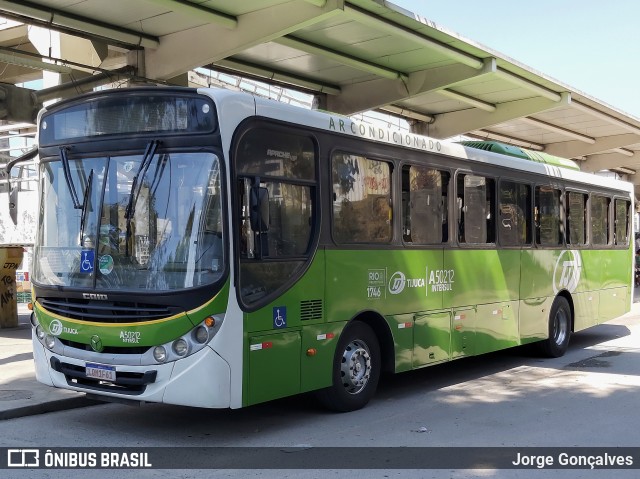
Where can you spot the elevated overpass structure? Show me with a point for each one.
(351, 55)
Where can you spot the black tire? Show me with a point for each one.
(356, 370)
(559, 329)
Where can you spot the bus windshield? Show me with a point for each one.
(149, 222)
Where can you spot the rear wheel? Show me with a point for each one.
(559, 329)
(356, 370)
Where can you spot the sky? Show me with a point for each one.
(591, 46)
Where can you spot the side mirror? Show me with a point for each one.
(13, 204)
(259, 209)
(13, 192)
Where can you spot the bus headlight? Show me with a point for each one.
(49, 341)
(40, 332)
(180, 347)
(201, 334)
(160, 354)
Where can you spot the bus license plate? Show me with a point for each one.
(100, 371)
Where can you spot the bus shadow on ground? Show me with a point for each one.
(504, 377)
(471, 368)
(252, 421)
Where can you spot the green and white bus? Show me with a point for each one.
(213, 249)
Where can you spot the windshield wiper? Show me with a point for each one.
(85, 202)
(136, 187)
(67, 176)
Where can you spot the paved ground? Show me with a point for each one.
(21, 395)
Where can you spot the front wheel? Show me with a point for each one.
(356, 370)
(559, 329)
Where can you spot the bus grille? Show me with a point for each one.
(106, 311)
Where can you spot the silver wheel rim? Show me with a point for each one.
(560, 327)
(355, 369)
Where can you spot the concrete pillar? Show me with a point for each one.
(10, 259)
(319, 102)
(419, 127)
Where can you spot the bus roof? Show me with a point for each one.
(512, 150)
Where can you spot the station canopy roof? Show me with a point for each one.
(355, 55)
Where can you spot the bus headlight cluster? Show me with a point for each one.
(48, 340)
(189, 343)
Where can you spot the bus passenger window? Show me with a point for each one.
(549, 227)
(600, 220)
(424, 197)
(361, 199)
(622, 222)
(576, 218)
(476, 206)
(514, 224)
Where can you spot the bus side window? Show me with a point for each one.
(424, 199)
(514, 214)
(476, 206)
(548, 217)
(362, 210)
(600, 220)
(576, 218)
(621, 231)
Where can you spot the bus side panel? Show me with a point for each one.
(487, 281)
(605, 275)
(394, 284)
(318, 348)
(402, 330)
(592, 273)
(616, 266)
(302, 303)
(586, 306)
(537, 272)
(496, 327)
(463, 335)
(274, 366)
(432, 338)
(536, 293)
(274, 336)
(386, 281)
(614, 302)
(615, 288)
(534, 314)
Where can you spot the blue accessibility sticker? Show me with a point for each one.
(87, 257)
(280, 317)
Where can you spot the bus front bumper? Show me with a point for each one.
(202, 379)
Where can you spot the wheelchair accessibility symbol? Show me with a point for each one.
(86, 262)
(280, 317)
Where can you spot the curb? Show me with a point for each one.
(46, 407)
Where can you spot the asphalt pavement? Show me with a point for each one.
(21, 395)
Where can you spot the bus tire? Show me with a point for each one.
(559, 329)
(356, 370)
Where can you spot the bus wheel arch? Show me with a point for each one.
(560, 324)
(566, 295)
(357, 365)
(385, 339)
